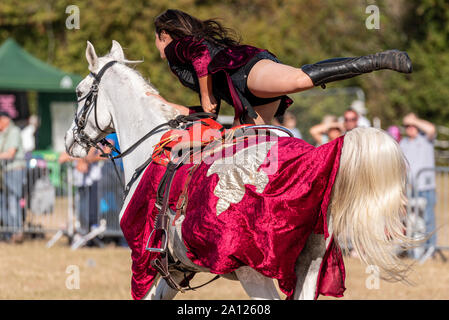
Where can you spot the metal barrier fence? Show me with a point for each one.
(421, 205)
(38, 197)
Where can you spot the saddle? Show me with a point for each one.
(188, 143)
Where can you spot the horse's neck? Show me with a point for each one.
(134, 115)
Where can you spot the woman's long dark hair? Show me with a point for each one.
(179, 24)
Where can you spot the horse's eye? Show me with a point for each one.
(79, 94)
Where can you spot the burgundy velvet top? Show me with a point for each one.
(191, 58)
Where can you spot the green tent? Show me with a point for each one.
(21, 71)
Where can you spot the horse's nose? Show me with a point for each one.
(72, 147)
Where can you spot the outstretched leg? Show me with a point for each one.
(257, 286)
(269, 79)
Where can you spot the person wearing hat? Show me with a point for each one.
(326, 131)
(12, 175)
(418, 148)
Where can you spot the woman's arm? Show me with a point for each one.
(208, 101)
(182, 109)
(197, 53)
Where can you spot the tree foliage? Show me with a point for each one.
(297, 31)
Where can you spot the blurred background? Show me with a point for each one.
(42, 58)
(298, 32)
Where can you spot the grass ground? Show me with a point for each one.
(31, 271)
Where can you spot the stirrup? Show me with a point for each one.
(164, 246)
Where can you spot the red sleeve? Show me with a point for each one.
(187, 50)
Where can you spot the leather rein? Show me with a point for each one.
(90, 105)
(163, 264)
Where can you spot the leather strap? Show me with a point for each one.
(161, 265)
(181, 205)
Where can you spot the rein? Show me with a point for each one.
(161, 222)
(90, 105)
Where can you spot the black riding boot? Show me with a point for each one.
(344, 68)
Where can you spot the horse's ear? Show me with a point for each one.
(91, 56)
(117, 51)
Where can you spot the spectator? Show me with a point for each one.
(288, 120)
(359, 107)
(418, 148)
(110, 186)
(351, 119)
(86, 176)
(328, 130)
(12, 169)
(28, 139)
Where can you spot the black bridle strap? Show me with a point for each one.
(100, 73)
(174, 123)
(91, 104)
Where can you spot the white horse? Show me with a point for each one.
(367, 205)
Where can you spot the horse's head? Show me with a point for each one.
(93, 118)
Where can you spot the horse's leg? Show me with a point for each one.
(256, 285)
(160, 290)
(308, 266)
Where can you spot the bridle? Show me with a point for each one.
(181, 121)
(90, 105)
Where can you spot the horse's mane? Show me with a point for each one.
(131, 64)
(167, 111)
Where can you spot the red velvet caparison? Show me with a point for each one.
(266, 231)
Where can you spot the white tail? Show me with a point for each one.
(368, 202)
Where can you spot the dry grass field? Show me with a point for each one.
(31, 271)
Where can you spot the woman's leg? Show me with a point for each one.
(265, 114)
(269, 79)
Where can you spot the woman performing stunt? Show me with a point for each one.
(208, 58)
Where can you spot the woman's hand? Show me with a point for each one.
(209, 103)
(150, 94)
(182, 109)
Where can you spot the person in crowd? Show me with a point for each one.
(110, 186)
(326, 131)
(86, 176)
(418, 148)
(359, 107)
(12, 168)
(28, 136)
(288, 120)
(351, 119)
(209, 59)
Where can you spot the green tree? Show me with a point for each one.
(297, 31)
